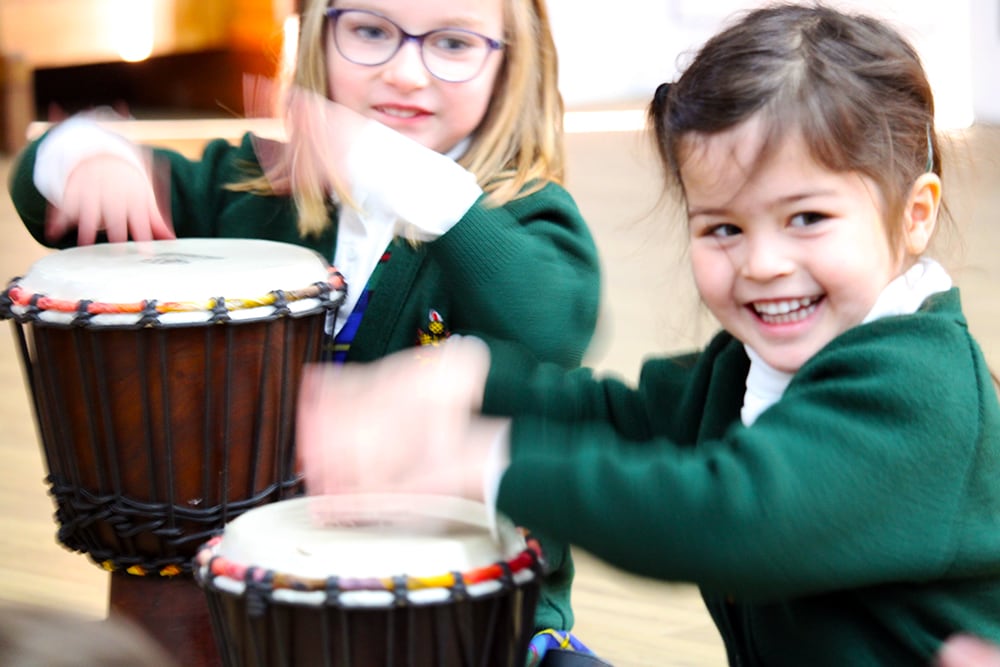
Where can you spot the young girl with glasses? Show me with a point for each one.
(826, 469)
(439, 122)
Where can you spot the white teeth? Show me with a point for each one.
(399, 113)
(783, 312)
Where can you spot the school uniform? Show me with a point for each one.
(854, 521)
(526, 271)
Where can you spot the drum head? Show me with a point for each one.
(186, 279)
(360, 536)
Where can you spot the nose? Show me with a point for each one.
(766, 257)
(406, 69)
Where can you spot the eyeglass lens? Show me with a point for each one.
(450, 54)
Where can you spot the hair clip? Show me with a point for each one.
(930, 150)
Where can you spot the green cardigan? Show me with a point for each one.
(526, 272)
(856, 522)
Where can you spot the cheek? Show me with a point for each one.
(470, 105)
(862, 264)
(477, 94)
(712, 278)
(852, 282)
(348, 84)
(341, 88)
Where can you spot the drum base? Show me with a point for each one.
(173, 611)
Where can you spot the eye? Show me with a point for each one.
(370, 33)
(721, 230)
(806, 218)
(452, 42)
(365, 27)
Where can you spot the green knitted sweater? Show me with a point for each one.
(856, 522)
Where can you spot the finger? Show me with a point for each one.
(88, 220)
(56, 224)
(137, 225)
(160, 228)
(117, 219)
(136, 218)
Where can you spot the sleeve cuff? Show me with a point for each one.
(428, 191)
(70, 143)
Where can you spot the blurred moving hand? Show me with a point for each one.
(332, 149)
(968, 651)
(319, 132)
(111, 194)
(407, 423)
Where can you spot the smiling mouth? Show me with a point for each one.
(786, 311)
(396, 112)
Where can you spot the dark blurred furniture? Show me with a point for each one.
(57, 56)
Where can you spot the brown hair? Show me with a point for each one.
(852, 85)
(518, 146)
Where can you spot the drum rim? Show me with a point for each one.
(217, 571)
(19, 304)
(214, 565)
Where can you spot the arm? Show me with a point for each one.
(853, 479)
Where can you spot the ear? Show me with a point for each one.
(921, 212)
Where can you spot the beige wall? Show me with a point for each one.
(614, 53)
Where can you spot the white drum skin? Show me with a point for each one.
(185, 277)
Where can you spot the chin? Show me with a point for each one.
(786, 361)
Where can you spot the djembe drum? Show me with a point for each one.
(375, 580)
(165, 378)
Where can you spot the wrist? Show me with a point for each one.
(69, 145)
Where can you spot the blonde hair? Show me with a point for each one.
(517, 148)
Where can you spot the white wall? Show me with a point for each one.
(985, 18)
(614, 53)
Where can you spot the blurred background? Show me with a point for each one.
(177, 66)
(186, 57)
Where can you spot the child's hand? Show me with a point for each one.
(968, 651)
(320, 133)
(334, 149)
(405, 423)
(110, 194)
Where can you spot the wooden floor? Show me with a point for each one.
(649, 307)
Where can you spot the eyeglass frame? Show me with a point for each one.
(333, 13)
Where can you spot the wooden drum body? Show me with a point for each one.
(164, 377)
(418, 580)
